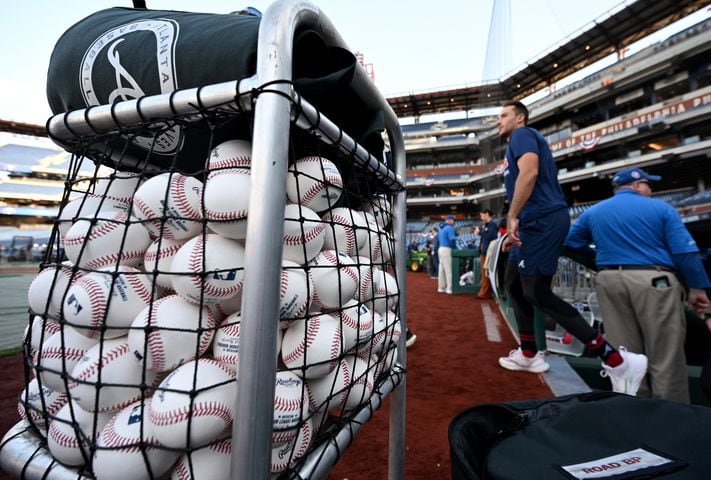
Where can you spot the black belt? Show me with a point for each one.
(636, 267)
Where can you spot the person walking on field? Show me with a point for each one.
(447, 242)
(640, 244)
(489, 233)
(537, 224)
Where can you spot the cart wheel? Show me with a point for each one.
(415, 266)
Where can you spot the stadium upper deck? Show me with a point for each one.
(651, 110)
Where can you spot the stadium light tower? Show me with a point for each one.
(498, 46)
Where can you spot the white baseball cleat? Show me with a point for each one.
(520, 362)
(627, 376)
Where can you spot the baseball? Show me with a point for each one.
(335, 278)
(225, 346)
(208, 269)
(106, 302)
(346, 230)
(375, 344)
(362, 381)
(380, 209)
(212, 462)
(311, 347)
(303, 234)
(72, 431)
(37, 332)
(59, 355)
(118, 185)
(314, 182)
(330, 391)
(387, 246)
(387, 292)
(291, 406)
(365, 279)
(286, 454)
(295, 292)
(169, 205)
(108, 378)
(227, 307)
(45, 293)
(88, 207)
(226, 202)
(39, 403)
(117, 239)
(126, 444)
(159, 257)
(170, 332)
(198, 397)
(356, 324)
(372, 246)
(230, 154)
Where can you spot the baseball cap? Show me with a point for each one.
(449, 217)
(629, 175)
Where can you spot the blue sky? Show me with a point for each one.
(413, 45)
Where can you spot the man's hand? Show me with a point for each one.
(698, 301)
(512, 230)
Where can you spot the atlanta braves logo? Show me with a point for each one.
(109, 70)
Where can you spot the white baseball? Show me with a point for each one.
(365, 279)
(387, 246)
(330, 391)
(362, 381)
(159, 257)
(39, 404)
(304, 234)
(225, 345)
(356, 323)
(387, 292)
(311, 347)
(286, 454)
(380, 209)
(346, 230)
(212, 462)
(126, 444)
(108, 378)
(335, 278)
(212, 279)
(170, 332)
(295, 292)
(291, 406)
(387, 361)
(375, 344)
(37, 332)
(106, 302)
(169, 204)
(88, 207)
(59, 355)
(47, 289)
(230, 154)
(72, 432)
(314, 182)
(118, 185)
(198, 397)
(227, 307)
(226, 202)
(372, 247)
(117, 239)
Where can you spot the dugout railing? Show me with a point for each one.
(276, 108)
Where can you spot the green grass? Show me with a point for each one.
(10, 351)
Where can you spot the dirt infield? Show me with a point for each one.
(452, 366)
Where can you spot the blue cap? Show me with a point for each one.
(629, 175)
(449, 217)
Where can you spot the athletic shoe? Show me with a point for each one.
(520, 362)
(448, 292)
(627, 376)
(440, 291)
(411, 338)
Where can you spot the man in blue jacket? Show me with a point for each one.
(489, 233)
(640, 245)
(537, 223)
(447, 242)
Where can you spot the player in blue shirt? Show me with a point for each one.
(447, 237)
(537, 224)
(639, 243)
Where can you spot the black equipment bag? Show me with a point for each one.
(122, 54)
(597, 435)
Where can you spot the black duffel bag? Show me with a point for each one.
(597, 435)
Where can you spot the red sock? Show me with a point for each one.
(602, 348)
(528, 344)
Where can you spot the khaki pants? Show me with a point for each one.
(444, 283)
(650, 320)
